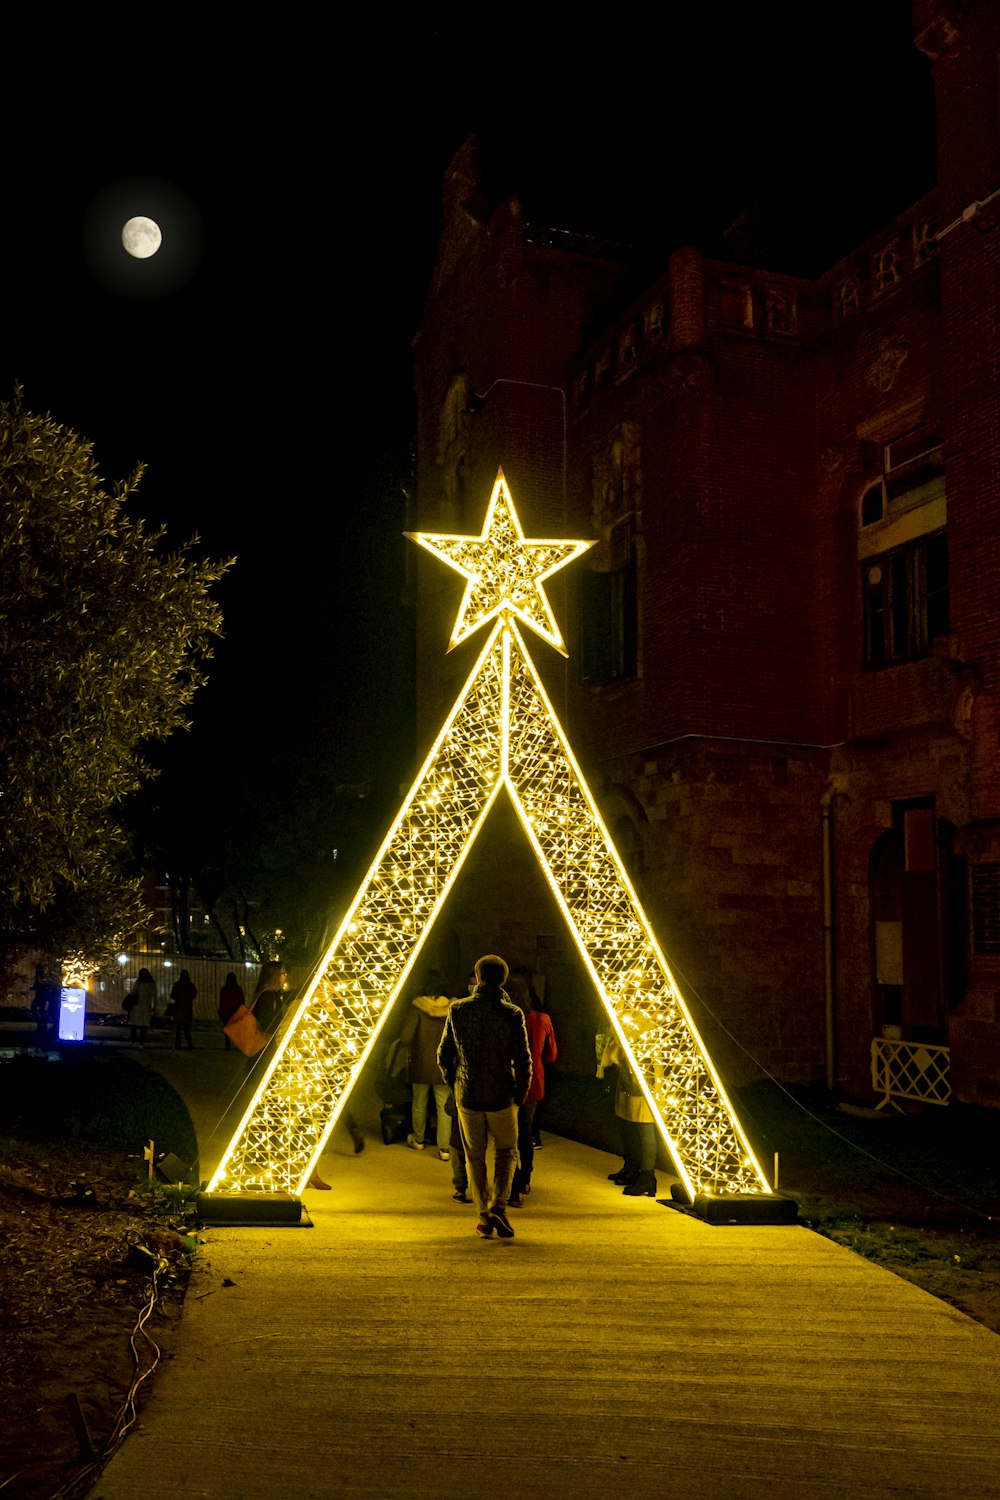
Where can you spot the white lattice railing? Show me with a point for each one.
(910, 1070)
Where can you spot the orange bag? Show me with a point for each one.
(243, 1029)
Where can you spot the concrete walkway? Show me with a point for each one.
(615, 1347)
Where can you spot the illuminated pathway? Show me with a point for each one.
(615, 1347)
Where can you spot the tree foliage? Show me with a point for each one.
(104, 637)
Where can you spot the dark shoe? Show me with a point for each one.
(526, 1190)
(514, 1201)
(499, 1221)
(461, 1196)
(644, 1186)
(484, 1228)
(622, 1174)
(359, 1141)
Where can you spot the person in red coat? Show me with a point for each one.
(542, 1041)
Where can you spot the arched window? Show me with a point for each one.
(631, 846)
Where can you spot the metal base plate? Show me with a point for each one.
(744, 1208)
(735, 1208)
(270, 1210)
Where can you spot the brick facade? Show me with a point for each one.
(789, 712)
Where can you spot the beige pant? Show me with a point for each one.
(478, 1127)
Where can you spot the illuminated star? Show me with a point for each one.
(504, 572)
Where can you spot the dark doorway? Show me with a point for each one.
(917, 902)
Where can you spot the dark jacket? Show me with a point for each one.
(484, 1053)
(182, 998)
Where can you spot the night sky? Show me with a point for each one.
(265, 382)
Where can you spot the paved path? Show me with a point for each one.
(615, 1347)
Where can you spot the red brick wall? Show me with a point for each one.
(755, 408)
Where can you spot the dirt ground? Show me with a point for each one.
(82, 1235)
(80, 1246)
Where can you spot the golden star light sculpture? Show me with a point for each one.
(504, 572)
(502, 736)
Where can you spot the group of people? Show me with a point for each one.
(267, 1005)
(483, 1059)
(141, 1002)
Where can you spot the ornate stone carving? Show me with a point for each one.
(887, 268)
(652, 320)
(882, 372)
(847, 297)
(689, 372)
(780, 312)
(925, 245)
(940, 34)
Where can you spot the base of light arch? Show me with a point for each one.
(737, 1208)
(252, 1210)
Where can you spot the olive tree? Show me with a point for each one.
(104, 636)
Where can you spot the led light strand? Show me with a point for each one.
(502, 732)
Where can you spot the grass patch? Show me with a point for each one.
(92, 1094)
(938, 1165)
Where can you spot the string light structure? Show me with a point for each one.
(501, 736)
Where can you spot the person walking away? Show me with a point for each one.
(636, 1175)
(140, 1016)
(542, 1042)
(484, 1057)
(231, 997)
(268, 1003)
(523, 972)
(421, 1035)
(459, 1168)
(182, 998)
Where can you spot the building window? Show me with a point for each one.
(912, 475)
(986, 909)
(906, 600)
(873, 504)
(609, 612)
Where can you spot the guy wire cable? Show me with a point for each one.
(690, 988)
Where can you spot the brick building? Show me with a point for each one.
(784, 672)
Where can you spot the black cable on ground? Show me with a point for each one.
(77, 1487)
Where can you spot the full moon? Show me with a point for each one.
(141, 237)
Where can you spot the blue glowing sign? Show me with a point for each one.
(72, 1013)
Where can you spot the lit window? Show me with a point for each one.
(912, 475)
